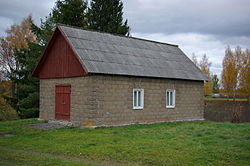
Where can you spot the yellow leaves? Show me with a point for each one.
(17, 38)
(235, 77)
(5, 90)
(236, 72)
(245, 73)
(229, 72)
(208, 88)
(18, 35)
(204, 66)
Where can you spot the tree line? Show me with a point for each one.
(235, 76)
(24, 43)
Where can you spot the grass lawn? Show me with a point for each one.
(179, 143)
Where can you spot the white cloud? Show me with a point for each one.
(221, 17)
(13, 11)
(5, 22)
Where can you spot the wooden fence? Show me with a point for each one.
(222, 111)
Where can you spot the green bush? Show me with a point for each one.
(7, 113)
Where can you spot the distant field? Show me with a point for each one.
(179, 143)
(223, 98)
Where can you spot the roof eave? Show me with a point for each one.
(159, 77)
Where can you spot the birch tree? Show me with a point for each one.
(230, 72)
(204, 64)
(244, 81)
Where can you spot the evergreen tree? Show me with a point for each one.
(107, 16)
(216, 85)
(44, 32)
(26, 97)
(70, 12)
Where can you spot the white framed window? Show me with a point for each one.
(138, 98)
(170, 98)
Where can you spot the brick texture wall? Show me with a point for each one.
(103, 100)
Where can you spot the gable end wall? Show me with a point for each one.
(59, 60)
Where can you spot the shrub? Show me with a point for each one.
(7, 113)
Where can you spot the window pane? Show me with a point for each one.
(167, 98)
(171, 98)
(139, 98)
(135, 98)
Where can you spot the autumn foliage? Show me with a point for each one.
(244, 78)
(245, 73)
(18, 37)
(229, 73)
(5, 91)
(16, 66)
(236, 72)
(204, 66)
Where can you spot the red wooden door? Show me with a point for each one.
(62, 110)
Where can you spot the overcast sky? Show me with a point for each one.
(199, 27)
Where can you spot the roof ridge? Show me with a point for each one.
(128, 37)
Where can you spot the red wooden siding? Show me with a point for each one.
(59, 60)
(62, 110)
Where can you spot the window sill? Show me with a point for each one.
(170, 106)
(137, 108)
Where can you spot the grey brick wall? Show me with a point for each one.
(104, 100)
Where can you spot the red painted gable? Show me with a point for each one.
(59, 60)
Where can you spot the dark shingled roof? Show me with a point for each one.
(105, 53)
